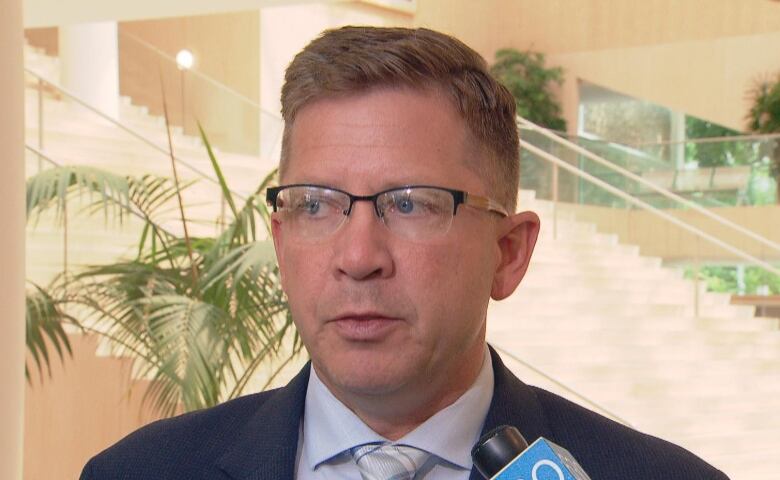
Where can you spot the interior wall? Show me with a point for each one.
(225, 47)
(285, 30)
(12, 249)
(696, 56)
(45, 38)
(650, 50)
(659, 238)
(709, 79)
(87, 403)
(563, 26)
(46, 13)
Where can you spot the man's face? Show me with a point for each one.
(380, 314)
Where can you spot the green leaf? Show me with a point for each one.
(44, 329)
(226, 193)
(199, 315)
(529, 81)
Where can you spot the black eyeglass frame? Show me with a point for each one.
(458, 196)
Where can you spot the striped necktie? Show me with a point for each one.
(385, 461)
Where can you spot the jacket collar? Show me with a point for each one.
(514, 403)
(266, 447)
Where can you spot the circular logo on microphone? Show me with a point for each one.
(546, 463)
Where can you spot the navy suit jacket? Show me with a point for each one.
(256, 437)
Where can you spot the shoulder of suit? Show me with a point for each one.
(608, 449)
(221, 417)
(189, 437)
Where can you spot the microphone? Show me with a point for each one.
(503, 454)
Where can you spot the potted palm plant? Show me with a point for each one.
(199, 314)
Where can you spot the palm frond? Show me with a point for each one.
(243, 229)
(200, 314)
(250, 258)
(53, 187)
(227, 194)
(44, 327)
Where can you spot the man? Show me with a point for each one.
(393, 226)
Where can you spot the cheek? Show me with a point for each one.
(302, 271)
(453, 281)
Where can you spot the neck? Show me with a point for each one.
(394, 414)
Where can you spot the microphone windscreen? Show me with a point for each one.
(496, 449)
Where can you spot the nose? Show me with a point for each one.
(361, 246)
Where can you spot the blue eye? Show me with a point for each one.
(312, 206)
(404, 205)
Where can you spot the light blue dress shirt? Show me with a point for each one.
(329, 429)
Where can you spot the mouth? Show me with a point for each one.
(364, 326)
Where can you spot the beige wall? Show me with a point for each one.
(45, 13)
(696, 56)
(680, 53)
(12, 200)
(286, 30)
(87, 404)
(705, 78)
(45, 38)
(565, 26)
(659, 238)
(226, 48)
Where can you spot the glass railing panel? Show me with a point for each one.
(744, 179)
(571, 188)
(730, 264)
(723, 172)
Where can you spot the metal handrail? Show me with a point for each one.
(646, 206)
(624, 149)
(735, 138)
(722, 139)
(139, 136)
(637, 178)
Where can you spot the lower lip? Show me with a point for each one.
(365, 329)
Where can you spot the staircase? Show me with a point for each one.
(621, 330)
(73, 135)
(616, 327)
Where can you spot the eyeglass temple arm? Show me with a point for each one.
(484, 203)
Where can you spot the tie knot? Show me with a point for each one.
(385, 461)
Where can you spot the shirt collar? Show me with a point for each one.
(330, 428)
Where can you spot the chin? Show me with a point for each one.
(368, 373)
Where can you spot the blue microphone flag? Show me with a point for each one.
(543, 460)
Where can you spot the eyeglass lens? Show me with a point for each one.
(416, 212)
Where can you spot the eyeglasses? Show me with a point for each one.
(416, 212)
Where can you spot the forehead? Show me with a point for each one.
(381, 138)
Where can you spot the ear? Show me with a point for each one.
(517, 236)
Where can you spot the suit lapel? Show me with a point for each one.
(266, 448)
(267, 445)
(514, 403)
